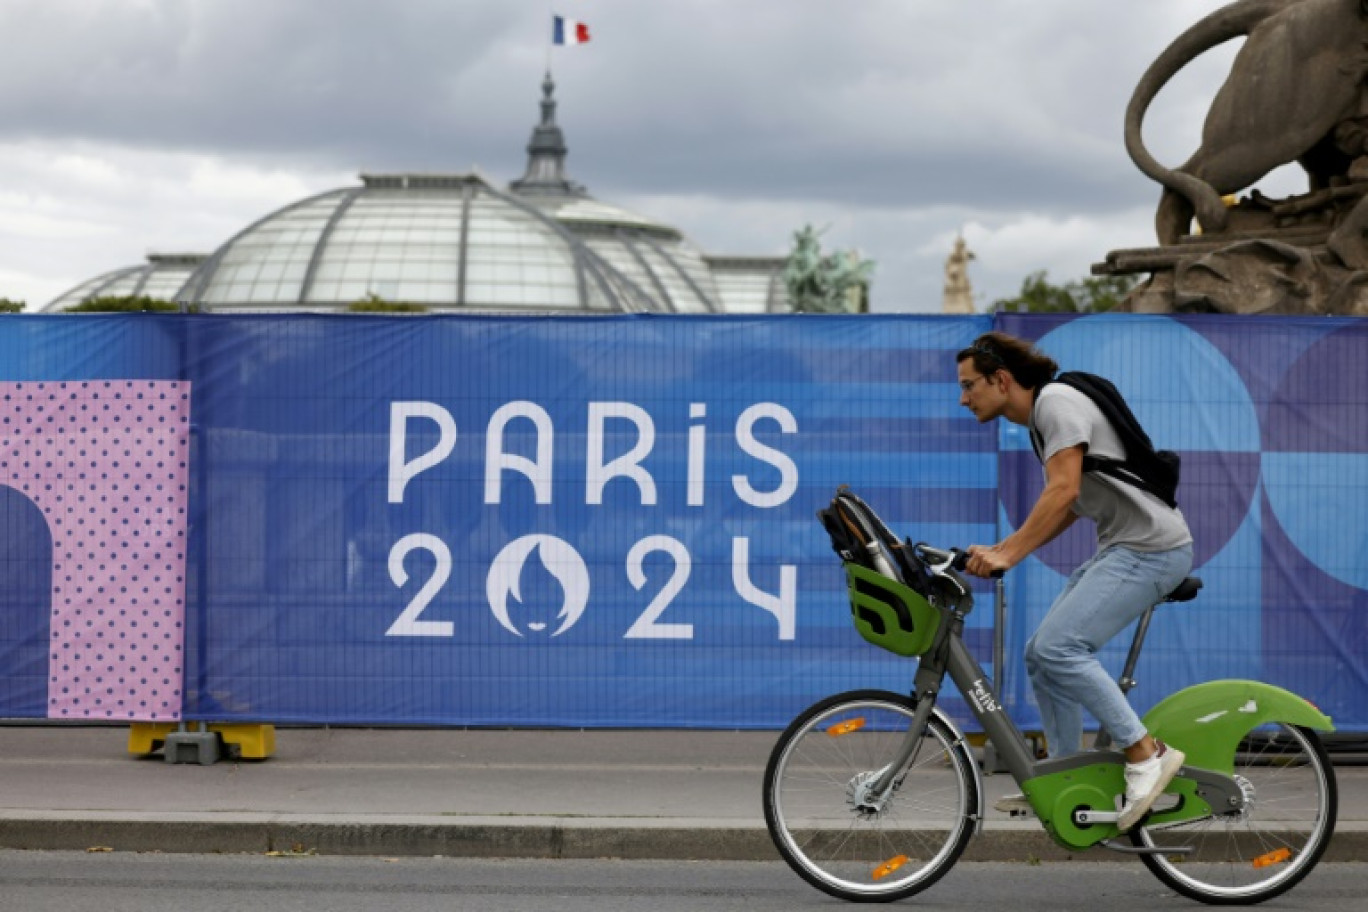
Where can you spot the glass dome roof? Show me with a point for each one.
(160, 277)
(452, 241)
(458, 242)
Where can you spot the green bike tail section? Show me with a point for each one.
(1209, 721)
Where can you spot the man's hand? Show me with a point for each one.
(985, 561)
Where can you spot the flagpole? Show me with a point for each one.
(550, 42)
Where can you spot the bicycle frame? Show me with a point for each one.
(950, 656)
(1075, 796)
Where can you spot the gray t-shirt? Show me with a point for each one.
(1125, 515)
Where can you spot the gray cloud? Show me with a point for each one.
(987, 108)
(743, 84)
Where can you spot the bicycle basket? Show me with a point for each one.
(889, 614)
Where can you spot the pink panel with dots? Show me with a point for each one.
(107, 463)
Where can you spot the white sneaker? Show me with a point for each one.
(1146, 781)
(1017, 805)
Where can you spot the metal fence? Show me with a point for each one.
(610, 521)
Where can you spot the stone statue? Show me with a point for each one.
(1294, 93)
(835, 283)
(958, 297)
(1297, 91)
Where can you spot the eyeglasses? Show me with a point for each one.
(967, 385)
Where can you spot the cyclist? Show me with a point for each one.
(1144, 549)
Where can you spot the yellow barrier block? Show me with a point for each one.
(148, 737)
(248, 740)
(254, 741)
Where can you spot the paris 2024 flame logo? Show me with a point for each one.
(559, 560)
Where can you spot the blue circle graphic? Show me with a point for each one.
(1316, 466)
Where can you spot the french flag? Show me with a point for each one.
(568, 31)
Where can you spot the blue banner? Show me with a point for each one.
(611, 521)
(560, 521)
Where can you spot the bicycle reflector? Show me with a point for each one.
(845, 728)
(1277, 856)
(888, 867)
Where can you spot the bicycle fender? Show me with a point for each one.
(1208, 721)
(962, 744)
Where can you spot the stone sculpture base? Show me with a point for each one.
(1274, 257)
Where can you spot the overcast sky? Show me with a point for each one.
(130, 127)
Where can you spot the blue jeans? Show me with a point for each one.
(1101, 598)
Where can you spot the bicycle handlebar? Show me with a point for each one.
(956, 558)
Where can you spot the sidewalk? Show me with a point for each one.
(535, 794)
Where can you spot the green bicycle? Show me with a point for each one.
(872, 796)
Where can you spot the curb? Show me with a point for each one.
(466, 840)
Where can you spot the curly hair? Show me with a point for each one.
(995, 351)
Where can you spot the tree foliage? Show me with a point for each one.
(1096, 294)
(126, 304)
(373, 303)
(8, 306)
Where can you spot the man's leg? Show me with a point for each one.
(1061, 718)
(1109, 593)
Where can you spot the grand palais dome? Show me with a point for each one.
(457, 242)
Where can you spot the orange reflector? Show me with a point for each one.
(1277, 856)
(888, 867)
(845, 728)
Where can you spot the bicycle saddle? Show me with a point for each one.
(1185, 591)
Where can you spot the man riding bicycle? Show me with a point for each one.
(1144, 549)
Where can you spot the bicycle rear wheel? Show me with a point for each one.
(1264, 850)
(847, 843)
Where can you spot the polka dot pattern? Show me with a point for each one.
(107, 463)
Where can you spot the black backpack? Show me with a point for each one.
(1151, 470)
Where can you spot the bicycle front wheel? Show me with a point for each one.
(1263, 850)
(836, 834)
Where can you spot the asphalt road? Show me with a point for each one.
(152, 882)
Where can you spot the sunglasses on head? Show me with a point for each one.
(982, 348)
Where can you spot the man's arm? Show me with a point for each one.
(1051, 515)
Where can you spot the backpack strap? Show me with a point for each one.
(1154, 472)
(1037, 442)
